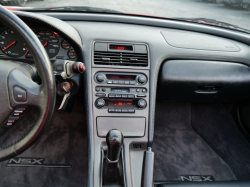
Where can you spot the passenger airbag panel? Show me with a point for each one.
(200, 41)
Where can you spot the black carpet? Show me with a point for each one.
(216, 126)
(63, 142)
(179, 150)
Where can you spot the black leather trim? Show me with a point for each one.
(48, 92)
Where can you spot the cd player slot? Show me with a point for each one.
(138, 79)
(123, 90)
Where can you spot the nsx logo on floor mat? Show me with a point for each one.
(197, 178)
(32, 162)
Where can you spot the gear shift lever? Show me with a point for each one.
(114, 141)
(112, 168)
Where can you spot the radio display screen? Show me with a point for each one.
(121, 47)
(121, 103)
(120, 77)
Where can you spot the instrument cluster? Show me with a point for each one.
(56, 46)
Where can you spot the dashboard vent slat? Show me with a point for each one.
(120, 59)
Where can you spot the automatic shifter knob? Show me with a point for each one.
(114, 141)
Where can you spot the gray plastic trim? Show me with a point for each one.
(132, 158)
(129, 126)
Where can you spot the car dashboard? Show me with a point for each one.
(132, 62)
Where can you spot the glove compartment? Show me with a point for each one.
(203, 81)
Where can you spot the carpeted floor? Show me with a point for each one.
(220, 132)
(63, 142)
(179, 150)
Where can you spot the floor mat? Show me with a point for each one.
(220, 132)
(63, 142)
(179, 150)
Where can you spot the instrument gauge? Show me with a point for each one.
(72, 54)
(65, 45)
(49, 41)
(11, 44)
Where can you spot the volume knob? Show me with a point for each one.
(142, 79)
(142, 103)
(100, 103)
(100, 77)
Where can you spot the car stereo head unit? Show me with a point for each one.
(120, 78)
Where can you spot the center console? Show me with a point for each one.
(120, 100)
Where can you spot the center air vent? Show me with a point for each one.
(120, 59)
(115, 54)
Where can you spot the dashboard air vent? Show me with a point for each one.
(120, 59)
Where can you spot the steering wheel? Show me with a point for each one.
(16, 78)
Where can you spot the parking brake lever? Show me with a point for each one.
(148, 169)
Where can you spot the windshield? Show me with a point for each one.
(231, 14)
